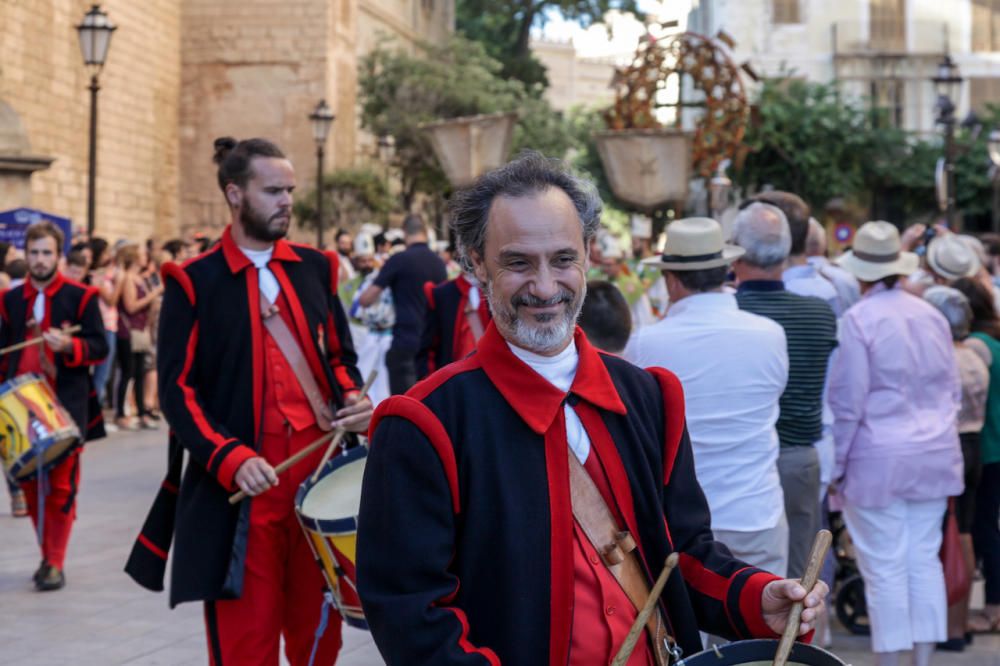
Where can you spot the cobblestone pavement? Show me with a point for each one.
(103, 618)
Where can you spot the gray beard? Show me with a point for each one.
(546, 336)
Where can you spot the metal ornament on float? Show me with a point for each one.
(647, 168)
(469, 146)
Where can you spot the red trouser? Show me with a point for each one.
(282, 584)
(60, 507)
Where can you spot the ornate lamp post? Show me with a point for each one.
(95, 38)
(947, 84)
(322, 119)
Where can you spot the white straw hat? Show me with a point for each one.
(695, 243)
(877, 253)
(951, 258)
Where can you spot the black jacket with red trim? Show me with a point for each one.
(465, 533)
(67, 303)
(211, 378)
(446, 304)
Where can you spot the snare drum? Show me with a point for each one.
(34, 427)
(328, 513)
(760, 652)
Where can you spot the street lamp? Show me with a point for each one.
(947, 84)
(386, 152)
(95, 38)
(718, 191)
(321, 118)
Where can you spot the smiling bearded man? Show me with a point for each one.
(477, 542)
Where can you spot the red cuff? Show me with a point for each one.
(750, 605)
(75, 357)
(231, 463)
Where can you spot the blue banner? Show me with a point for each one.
(14, 223)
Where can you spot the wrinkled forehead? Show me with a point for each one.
(543, 221)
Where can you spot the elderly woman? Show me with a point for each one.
(985, 529)
(974, 359)
(895, 393)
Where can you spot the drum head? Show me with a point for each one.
(761, 652)
(333, 501)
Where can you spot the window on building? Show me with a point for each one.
(986, 25)
(887, 102)
(887, 24)
(983, 91)
(786, 11)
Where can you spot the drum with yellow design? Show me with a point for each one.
(328, 513)
(35, 429)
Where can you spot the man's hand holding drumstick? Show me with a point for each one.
(256, 475)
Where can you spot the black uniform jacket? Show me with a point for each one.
(67, 303)
(465, 540)
(446, 303)
(211, 375)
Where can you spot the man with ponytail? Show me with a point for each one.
(241, 394)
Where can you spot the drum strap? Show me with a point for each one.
(290, 349)
(618, 550)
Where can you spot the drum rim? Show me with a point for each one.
(798, 648)
(20, 463)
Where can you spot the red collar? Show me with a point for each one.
(50, 290)
(534, 399)
(463, 284)
(238, 261)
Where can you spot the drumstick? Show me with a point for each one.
(296, 458)
(640, 622)
(333, 445)
(820, 545)
(37, 341)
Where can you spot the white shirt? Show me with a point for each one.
(846, 285)
(38, 308)
(265, 278)
(559, 370)
(733, 366)
(804, 280)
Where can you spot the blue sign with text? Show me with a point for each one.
(14, 223)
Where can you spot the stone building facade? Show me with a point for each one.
(179, 74)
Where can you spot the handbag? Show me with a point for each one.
(957, 578)
(141, 340)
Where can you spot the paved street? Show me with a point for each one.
(103, 618)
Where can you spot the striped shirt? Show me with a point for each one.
(811, 334)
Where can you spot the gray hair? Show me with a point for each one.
(762, 230)
(815, 239)
(529, 173)
(955, 307)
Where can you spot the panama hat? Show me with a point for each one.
(878, 253)
(609, 247)
(694, 243)
(949, 257)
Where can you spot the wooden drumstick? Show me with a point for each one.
(37, 341)
(640, 621)
(295, 458)
(820, 545)
(333, 445)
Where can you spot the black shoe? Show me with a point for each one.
(54, 579)
(952, 645)
(43, 569)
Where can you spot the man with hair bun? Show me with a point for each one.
(43, 306)
(255, 362)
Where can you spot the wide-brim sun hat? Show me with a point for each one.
(951, 258)
(878, 253)
(695, 243)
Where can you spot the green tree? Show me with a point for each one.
(504, 27)
(399, 91)
(351, 197)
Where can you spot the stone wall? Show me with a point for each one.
(42, 77)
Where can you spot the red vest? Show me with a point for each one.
(285, 403)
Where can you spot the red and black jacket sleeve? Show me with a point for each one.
(725, 593)
(90, 345)
(340, 353)
(208, 442)
(412, 597)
